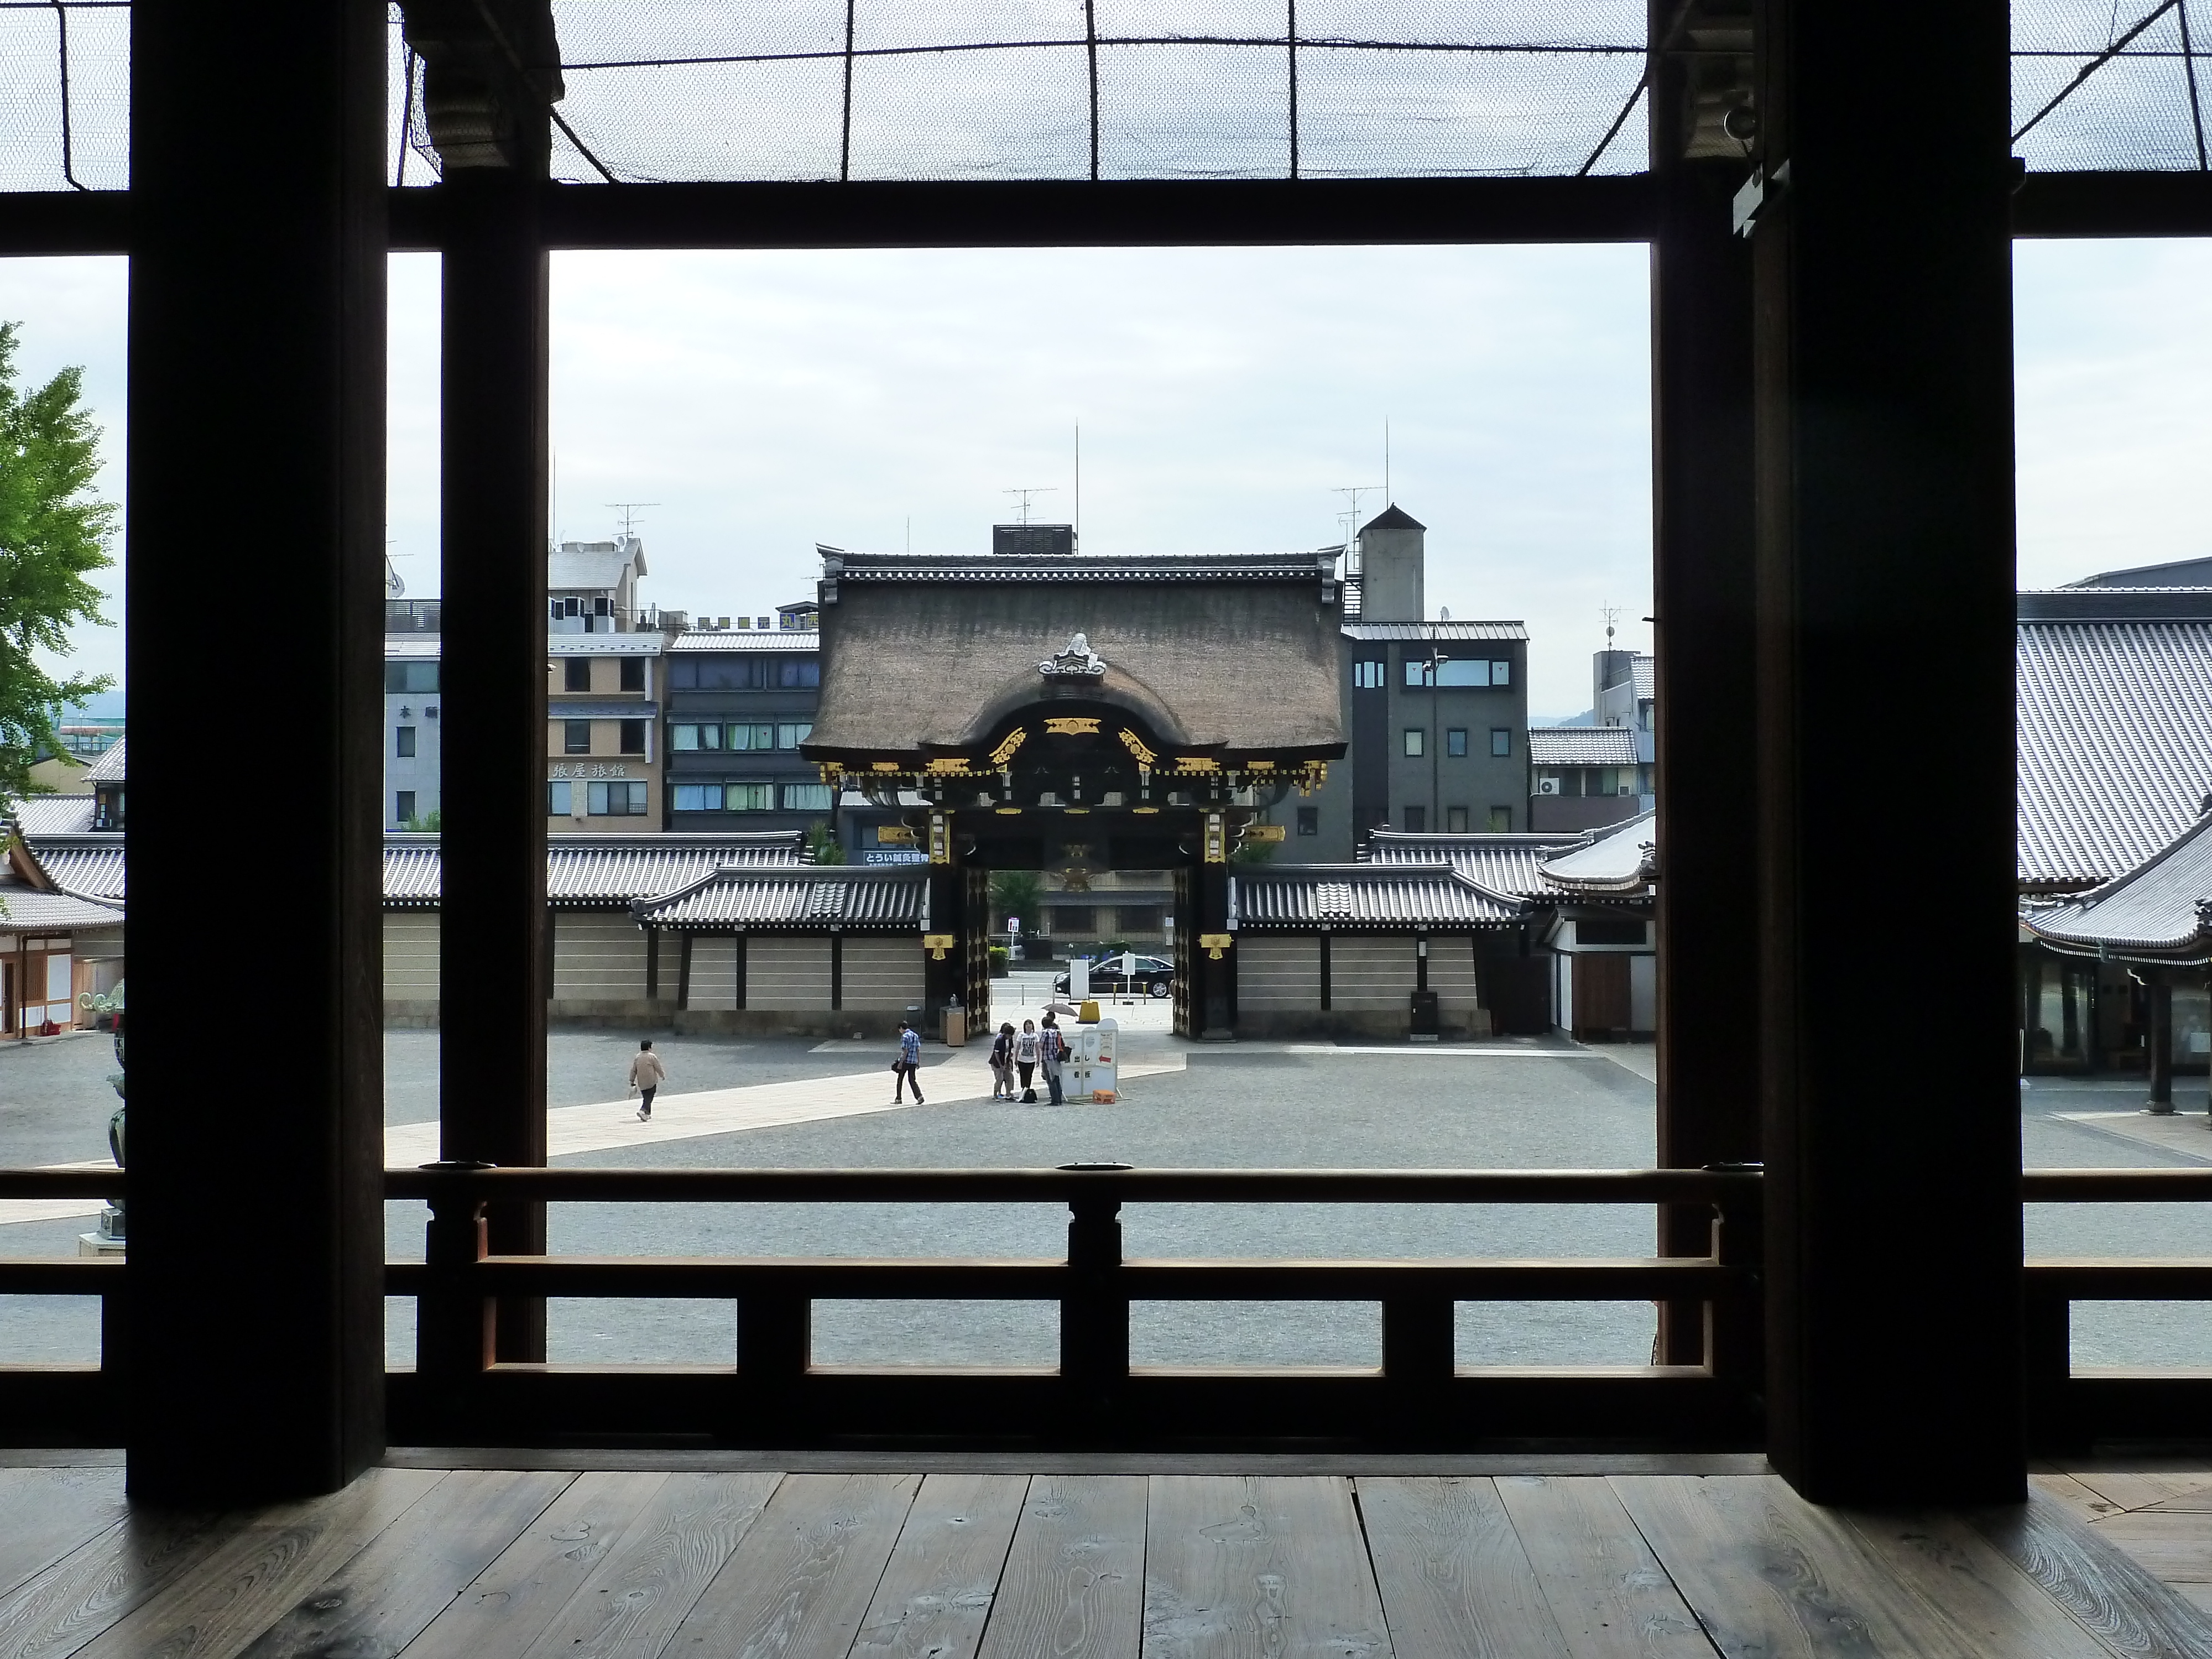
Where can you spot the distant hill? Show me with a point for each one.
(1588, 717)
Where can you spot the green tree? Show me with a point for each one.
(1253, 852)
(53, 535)
(1015, 893)
(426, 823)
(823, 846)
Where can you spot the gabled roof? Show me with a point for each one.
(30, 911)
(2113, 743)
(1412, 897)
(870, 898)
(1509, 866)
(108, 768)
(90, 866)
(2161, 910)
(1581, 745)
(1622, 862)
(598, 871)
(37, 816)
(591, 567)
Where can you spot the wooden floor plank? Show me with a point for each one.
(381, 1599)
(801, 1583)
(509, 1605)
(1074, 1581)
(101, 1581)
(637, 1594)
(935, 1596)
(2175, 1547)
(1453, 1576)
(1770, 1577)
(2056, 1483)
(1994, 1606)
(1606, 1591)
(246, 1584)
(2137, 1484)
(2113, 1595)
(45, 1513)
(1237, 1567)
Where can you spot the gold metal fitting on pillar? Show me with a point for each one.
(1214, 944)
(1217, 838)
(937, 944)
(941, 838)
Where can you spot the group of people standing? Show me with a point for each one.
(1023, 1053)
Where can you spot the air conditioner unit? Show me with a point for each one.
(1547, 785)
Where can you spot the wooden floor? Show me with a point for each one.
(2108, 1562)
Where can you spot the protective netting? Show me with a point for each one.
(879, 89)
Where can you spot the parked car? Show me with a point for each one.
(1153, 976)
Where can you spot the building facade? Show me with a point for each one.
(739, 703)
(602, 739)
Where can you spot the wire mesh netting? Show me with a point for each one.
(929, 89)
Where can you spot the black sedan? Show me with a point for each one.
(1154, 977)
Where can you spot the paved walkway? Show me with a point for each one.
(2186, 1133)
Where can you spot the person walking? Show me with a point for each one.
(906, 1070)
(1026, 1048)
(646, 1074)
(1051, 1048)
(1002, 1063)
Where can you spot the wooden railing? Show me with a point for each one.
(1419, 1396)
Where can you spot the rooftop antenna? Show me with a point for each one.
(1386, 496)
(629, 510)
(1078, 483)
(1352, 492)
(1611, 615)
(1024, 506)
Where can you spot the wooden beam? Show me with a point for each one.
(1883, 374)
(257, 1218)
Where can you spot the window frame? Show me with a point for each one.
(1414, 742)
(568, 729)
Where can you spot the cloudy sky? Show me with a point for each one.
(766, 402)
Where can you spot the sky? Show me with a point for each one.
(762, 402)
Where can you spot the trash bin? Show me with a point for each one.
(1424, 1013)
(956, 1027)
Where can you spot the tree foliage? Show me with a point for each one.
(1016, 893)
(53, 535)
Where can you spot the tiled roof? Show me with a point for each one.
(1416, 896)
(108, 768)
(879, 898)
(2113, 604)
(749, 639)
(30, 911)
(1620, 863)
(1436, 630)
(1508, 866)
(2161, 909)
(1581, 745)
(53, 815)
(1644, 670)
(583, 872)
(995, 567)
(90, 866)
(2114, 743)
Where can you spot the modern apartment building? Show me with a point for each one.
(412, 727)
(740, 701)
(603, 747)
(1588, 776)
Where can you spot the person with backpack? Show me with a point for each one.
(1002, 1063)
(1052, 1049)
(1026, 1049)
(906, 1070)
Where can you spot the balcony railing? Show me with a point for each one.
(774, 1393)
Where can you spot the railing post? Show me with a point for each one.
(1735, 1330)
(1420, 1357)
(2053, 1424)
(1094, 1321)
(776, 1338)
(454, 1324)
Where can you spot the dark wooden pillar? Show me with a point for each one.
(1213, 989)
(494, 456)
(1702, 564)
(256, 331)
(2158, 994)
(1883, 375)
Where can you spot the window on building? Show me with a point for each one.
(575, 674)
(1309, 820)
(792, 733)
(1455, 820)
(1417, 741)
(806, 798)
(752, 736)
(1455, 741)
(687, 737)
(401, 677)
(575, 737)
(800, 672)
(404, 742)
(697, 797)
(749, 797)
(1461, 670)
(1073, 920)
(1501, 820)
(616, 800)
(632, 737)
(404, 805)
(1141, 919)
(559, 802)
(1501, 740)
(633, 673)
(1501, 673)
(1367, 676)
(1416, 820)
